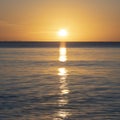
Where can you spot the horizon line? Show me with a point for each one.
(63, 41)
(34, 44)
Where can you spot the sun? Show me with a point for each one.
(62, 33)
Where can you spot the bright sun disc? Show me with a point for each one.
(62, 32)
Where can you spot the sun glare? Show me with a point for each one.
(62, 33)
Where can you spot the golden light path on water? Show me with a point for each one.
(62, 57)
(64, 90)
(62, 52)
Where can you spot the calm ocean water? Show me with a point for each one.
(53, 84)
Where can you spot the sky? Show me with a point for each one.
(40, 20)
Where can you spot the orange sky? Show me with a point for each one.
(39, 20)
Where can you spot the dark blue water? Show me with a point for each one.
(36, 85)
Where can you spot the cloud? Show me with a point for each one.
(4, 23)
(9, 29)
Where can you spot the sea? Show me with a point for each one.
(60, 83)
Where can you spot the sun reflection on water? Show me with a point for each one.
(63, 113)
(63, 56)
(63, 82)
(62, 72)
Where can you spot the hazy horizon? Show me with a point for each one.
(24, 44)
